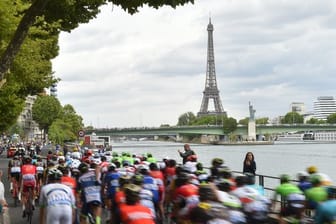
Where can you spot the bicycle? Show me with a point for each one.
(29, 210)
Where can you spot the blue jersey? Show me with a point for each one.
(326, 212)
(149, 183)
(112, 182)
(90, 190)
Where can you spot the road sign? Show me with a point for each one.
(81, 133)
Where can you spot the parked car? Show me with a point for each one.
(11, 152)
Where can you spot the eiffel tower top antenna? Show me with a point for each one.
(211, 91)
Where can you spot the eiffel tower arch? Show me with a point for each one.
(211, 91)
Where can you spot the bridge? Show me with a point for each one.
(212, 130)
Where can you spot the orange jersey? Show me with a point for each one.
(136, 214)
(70, 182)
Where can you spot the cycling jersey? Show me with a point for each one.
(146, 199)
(136, 214)
(70, 182)
(326, 212)
(15, 166)
(58, 200)
(39, 167)
(186, 197)
(111, 180)
(28, 175)
(90, 190)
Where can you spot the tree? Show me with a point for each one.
(229, 125)
(186, 119)
(315, 121)
(46, 110)
(61, 131)
(68, 14)
(262, 120)
(292, 118)
(69, 116)
(244, 121)
(331, 119)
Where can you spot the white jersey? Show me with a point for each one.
(58, 200)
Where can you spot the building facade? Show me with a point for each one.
(25, 120)
(324, 106)
(297, 107)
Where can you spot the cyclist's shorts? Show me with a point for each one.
(86, 207)
(26, 188)
(16, 176)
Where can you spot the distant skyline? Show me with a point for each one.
(148, 69)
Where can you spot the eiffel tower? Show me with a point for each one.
(211, 91)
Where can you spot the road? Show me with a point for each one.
(15, 212)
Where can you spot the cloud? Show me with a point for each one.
(147, 69)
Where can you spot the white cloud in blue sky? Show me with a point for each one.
(147, 69)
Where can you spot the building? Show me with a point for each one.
(25, 120)
(297, 107)
(324, 106)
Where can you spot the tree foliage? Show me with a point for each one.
(331, 119)
(229, 125)
(66, 14)
(262, 120)
(69, 116)
(46, 110)
(186, 119)
(244, 121)
(61, 131)
(315, 121)
(292, 118)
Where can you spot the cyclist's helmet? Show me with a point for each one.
(132, 192)
(54, 174)
(285, 178)
(27, 159)
(312, 169)
(206, 192)
(16, 157)
(83, 167)
(302, 175)
(315, 179)
(217, 162)
(124, 179)
(137, 179)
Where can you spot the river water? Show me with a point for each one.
(272, 160)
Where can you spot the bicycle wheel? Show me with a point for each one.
(29, 208)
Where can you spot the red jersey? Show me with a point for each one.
(136, 214)
(70, 182)
(119, 198)
(158, 176)
(28, 172)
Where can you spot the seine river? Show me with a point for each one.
(272, 160)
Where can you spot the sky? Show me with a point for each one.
(147, 69)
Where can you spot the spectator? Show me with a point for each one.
(187, 152)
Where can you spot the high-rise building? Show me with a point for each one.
(297, 107)
(324, 106)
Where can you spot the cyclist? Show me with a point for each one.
(40, 166)
(27, 180)
(14, 171)
(326, 211)
(132, 212)
(57, 201)
(89, 189)
(317, 193)
(294, 199)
